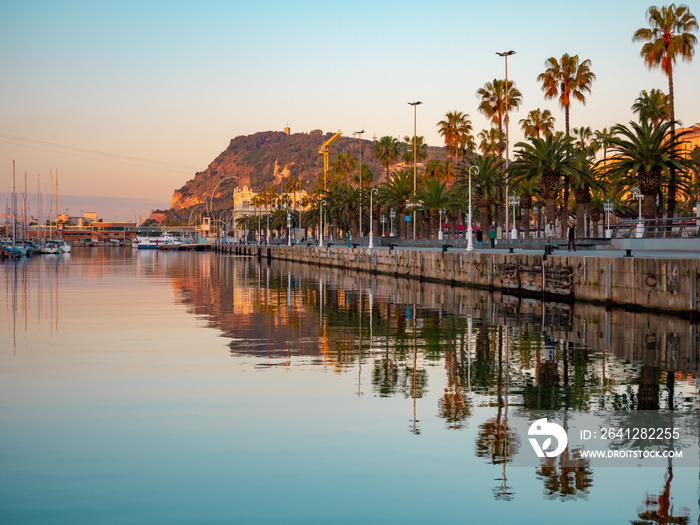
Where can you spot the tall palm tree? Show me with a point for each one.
(602, 138)
(583, 140)
(643, 154)
(493, 103)
(395, 192)
(343, 164)
(456, 130)
(666, 40)
(293, 185)
(488, 141)
(652, 106)
(538, 122)
(547, 159)
(387, 151)
(565, 79)
(421, 150)
(527, 186)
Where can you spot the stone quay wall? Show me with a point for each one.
(653, 284)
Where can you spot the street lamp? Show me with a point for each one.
(320, 241)
(415, 178)
(639, 230)
(359, 133)
(470, 243)
(372, 191)
(383, 221)
(505, 55)
(392, 216)
(514, 200)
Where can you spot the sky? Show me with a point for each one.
(129, 99)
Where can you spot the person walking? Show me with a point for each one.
(571, 234)
(479, 238)
(549, 231)
(492, 236)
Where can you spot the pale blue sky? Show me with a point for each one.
(175, 81)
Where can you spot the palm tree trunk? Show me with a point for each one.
(550, 210)
(526, 222)
(401, 215)
(672, 178)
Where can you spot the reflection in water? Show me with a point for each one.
(482, 359)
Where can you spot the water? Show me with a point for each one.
(199, 388)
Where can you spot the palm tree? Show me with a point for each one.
(528, 187)
(343, 164)
(485, 187)
(456, 130)
(537, 122)
(582, 182)
(584, 140)
(436, 169)
(652, 106)
(565, 79)
(667, 39)
(548, 159)
(434, 197)
(421, 150)
(293, 185)
(493, 103)
(387, 151)
(643, 154)
(396, 192)
(602, 138)
(488, 141)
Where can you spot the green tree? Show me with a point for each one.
(387, 151)
(396, 192)
(485, 187)
(494, 104)
(343, 164)
(548, 160)
(643, 154)
(421, 150)
(456, 131)
(538, 122)
(652, 106)
(666, 40)
(434, 197)
(488, 141)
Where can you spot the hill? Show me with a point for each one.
(270, 157)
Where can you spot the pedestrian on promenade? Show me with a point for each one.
(492, 235)
(549, 231)
(479, 238)
(571, 234)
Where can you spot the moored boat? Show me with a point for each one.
(154, 243)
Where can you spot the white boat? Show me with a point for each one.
(61, 245)
(49, 248)
(155, 243)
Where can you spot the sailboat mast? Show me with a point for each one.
(25, 233)
(41, 208)
(14, 206)
(56, 203)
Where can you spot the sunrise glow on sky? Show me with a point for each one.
(130, 99)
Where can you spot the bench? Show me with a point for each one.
(393, 245)
(445, 246)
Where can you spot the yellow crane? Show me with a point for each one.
(324, 151)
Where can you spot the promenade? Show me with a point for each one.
(658, 280)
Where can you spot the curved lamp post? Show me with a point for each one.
(470, 243)
(372, 191)
(211, 199)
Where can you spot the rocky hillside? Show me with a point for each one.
(269, 158)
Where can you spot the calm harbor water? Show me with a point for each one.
(149, 387)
